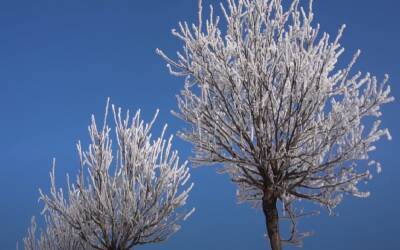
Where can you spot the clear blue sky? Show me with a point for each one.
(59, 60)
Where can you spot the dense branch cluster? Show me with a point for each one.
(116, 206)
(264, 96)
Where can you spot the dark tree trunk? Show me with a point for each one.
(272, 219)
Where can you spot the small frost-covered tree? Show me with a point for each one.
(118, 201)
(264, 97)
(57, 235)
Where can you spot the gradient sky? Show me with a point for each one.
(59, 60)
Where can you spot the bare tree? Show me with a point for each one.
(264, 97)
(117, 207)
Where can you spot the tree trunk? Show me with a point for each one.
(272, 219)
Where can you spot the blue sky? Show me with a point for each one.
(59, 60)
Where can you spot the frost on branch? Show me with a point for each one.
(118, 200)
(58, 235)
(265, 98)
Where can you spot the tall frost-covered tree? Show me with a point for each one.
(119, 200)
(263, 96)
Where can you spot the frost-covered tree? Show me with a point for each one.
(264, 96)
(119, 200)
(57, 235)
